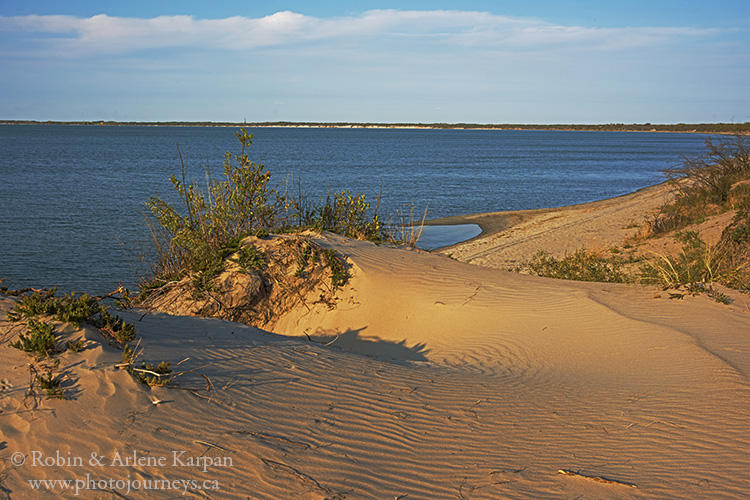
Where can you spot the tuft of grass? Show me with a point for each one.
(75, 346)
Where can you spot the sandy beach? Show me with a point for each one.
(434, 376)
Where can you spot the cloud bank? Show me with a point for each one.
(102, 34)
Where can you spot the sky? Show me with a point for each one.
(438, 61)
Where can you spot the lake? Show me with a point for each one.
(73, 196)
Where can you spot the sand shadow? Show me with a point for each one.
(353, 341)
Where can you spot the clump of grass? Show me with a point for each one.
(408, 229)
(582, 265)
(697, 262)
(76, 346)
(40, 340)
(699, 265)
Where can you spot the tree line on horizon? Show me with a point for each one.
(732, 128)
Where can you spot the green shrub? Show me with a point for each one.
(51, 385)
(582, 265)
(115, 327)
(339, 274)
(33, 305)
(249, 258)
(40, 340)
(705, 184)
(71, 308)
(147, 374)
(198, 236)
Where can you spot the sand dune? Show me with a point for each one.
(440, 379)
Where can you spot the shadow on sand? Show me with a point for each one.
(354, 341)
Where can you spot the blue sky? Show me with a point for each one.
(514, 61)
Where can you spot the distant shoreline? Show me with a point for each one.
(723, 128)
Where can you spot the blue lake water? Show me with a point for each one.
(69, 193)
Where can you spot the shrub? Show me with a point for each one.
(51, 385)
(583, 265)
(226, 212)
(706, 184)
(198, 237)
(147, 374)
(74, 309)
(40, 340)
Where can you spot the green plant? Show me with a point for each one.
(706, 184)
(339, 274)
(308, 255)
(51, 385)
(196, 237)
(115, 327)
(34, 305)
(70, 308)
(249, 258)
(40, 340)
(582, 265)
(225, 212)
(697, 262)
(147, 374)
(75, 346)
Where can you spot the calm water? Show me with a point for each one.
(70, 192)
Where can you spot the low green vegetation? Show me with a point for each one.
(71, 308)
(196, 236)
(704, 186)
(40, 340)
(583, 265)
(146, 374)
(51, 385)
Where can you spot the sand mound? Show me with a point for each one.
(440, 380)
(278, 274)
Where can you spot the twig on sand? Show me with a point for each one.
(116, 493)
(264, 437)
(211, 445)
(278, 466)
(598, 479)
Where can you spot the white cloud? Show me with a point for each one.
(102, 34)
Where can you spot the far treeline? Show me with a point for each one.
(722, 128)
